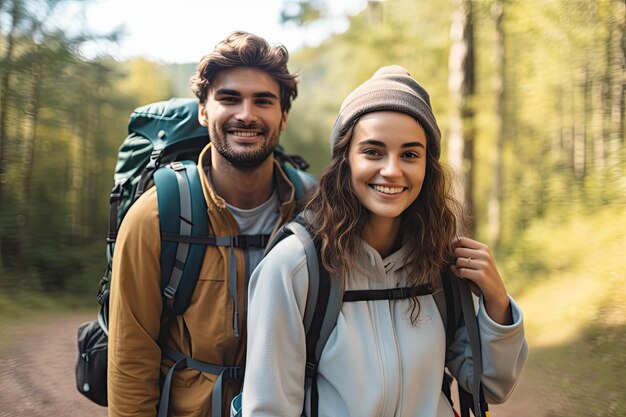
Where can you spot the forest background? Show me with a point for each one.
(530, 96)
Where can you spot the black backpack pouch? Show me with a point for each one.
(91, 366)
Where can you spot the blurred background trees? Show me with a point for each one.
(530, 97)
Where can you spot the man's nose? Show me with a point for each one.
(246, 113)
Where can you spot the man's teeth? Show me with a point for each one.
(388, 190)
(245, 134)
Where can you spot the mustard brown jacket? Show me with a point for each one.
(138, 319)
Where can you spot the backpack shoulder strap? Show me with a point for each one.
(323, 304)
(182, 211)
(476, 399)
(450, 314)
(301, 180)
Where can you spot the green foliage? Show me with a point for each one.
(62, 119)
(329, 72)
(566, 272)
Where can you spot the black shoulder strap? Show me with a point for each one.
(478, 405)
(323, 303)
(449, 311)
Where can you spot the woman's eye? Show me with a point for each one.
(371, 152)
(411, 155)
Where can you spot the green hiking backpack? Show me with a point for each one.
(162, 147)
(323, 305)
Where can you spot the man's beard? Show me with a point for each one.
(245, 159)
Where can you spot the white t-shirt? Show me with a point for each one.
(257, 221)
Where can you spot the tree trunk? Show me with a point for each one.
(496, 195)
(5, 84)
(5, 89)
(581, 129)
(462, 87)
(618, 87)
(32, 111)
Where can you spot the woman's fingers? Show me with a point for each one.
(474, 262)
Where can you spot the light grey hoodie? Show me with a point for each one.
(376, 362)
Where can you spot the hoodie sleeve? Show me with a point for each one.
(276, 354)
(504, 352)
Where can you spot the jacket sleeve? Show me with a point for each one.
(135, 311)
(504, 352)
(276, 354)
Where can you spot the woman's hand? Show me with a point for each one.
(475, 263)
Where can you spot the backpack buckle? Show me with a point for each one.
(247, 241)
(116, 194)
(177, 166)
(240, 241)
(310, 368)
(169, 292)
(397, 293)
(234, 372)
(155, 159)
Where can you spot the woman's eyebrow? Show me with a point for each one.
(373, 142)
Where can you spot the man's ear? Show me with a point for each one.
(283, 121)
(202, 115)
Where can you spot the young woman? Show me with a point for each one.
(385, 218)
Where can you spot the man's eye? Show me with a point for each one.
(264, 102)
(229, 99)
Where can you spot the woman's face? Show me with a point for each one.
(387, 157)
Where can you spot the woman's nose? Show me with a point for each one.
(391, 168)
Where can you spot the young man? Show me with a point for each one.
(245, 91)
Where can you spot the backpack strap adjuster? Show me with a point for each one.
(234, 372)
(310, 369)
(397, 293)
(169, 292)
(247, 241)
(177, 166)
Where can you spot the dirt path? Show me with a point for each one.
(37, 371)
(37, 377)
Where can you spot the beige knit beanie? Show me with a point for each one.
(391, 88)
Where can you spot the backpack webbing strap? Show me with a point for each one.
(182, 211)
(453, 315)
(319, 304)
(324, 300)
(313, 269)
(182, 361)
(302, 181)
(232, 289)
(451, 320)
(478, 404)
(387, 294)
(117, 193)
(237, 241)
(185, 230)
(243, 242)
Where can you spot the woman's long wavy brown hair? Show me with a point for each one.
(429, 224)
